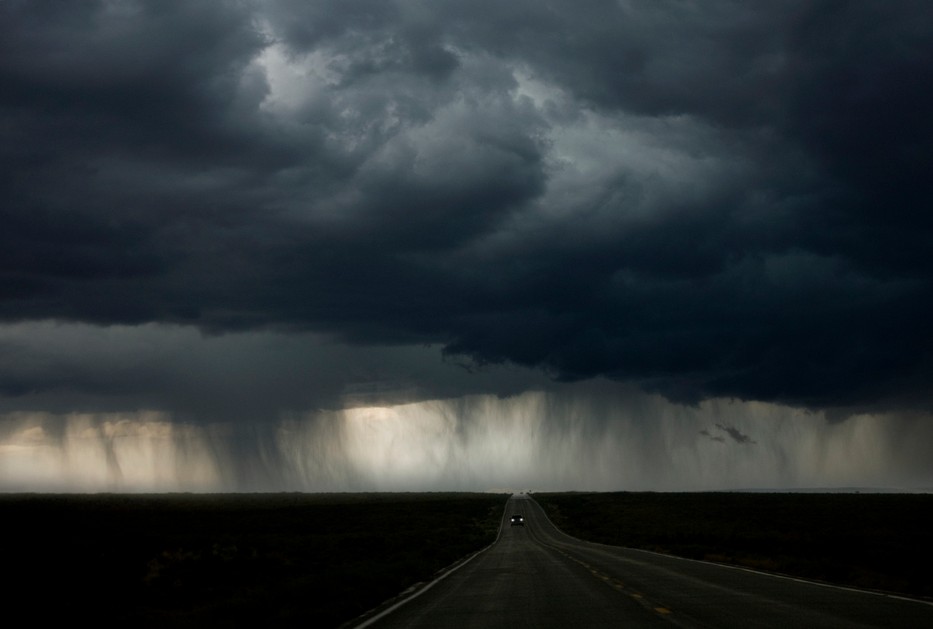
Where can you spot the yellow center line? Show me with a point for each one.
(612, 582)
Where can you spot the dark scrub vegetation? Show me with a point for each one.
(253, 560)
(868, 540)
(320, 560)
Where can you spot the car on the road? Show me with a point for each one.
(518, 520)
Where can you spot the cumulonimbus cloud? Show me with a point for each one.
(725, 200)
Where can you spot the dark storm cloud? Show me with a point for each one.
(714, 199)
(235, 378)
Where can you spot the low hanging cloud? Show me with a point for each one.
(732, 432)
(736, 435)
(709, 202)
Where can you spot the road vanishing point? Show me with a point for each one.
(537, 576)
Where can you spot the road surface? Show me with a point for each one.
(536, 576)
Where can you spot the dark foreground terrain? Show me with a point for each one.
(255, 560)
(320, 560)
(537, 576)
(873, 541)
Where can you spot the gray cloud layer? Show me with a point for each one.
(716, 199)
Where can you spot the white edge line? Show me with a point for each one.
(443, 576)
(776, 575)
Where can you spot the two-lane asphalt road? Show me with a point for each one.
(536, 576)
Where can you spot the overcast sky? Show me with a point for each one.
(463, 233)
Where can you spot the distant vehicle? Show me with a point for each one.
(518, 520)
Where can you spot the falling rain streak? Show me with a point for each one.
(533, 441)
